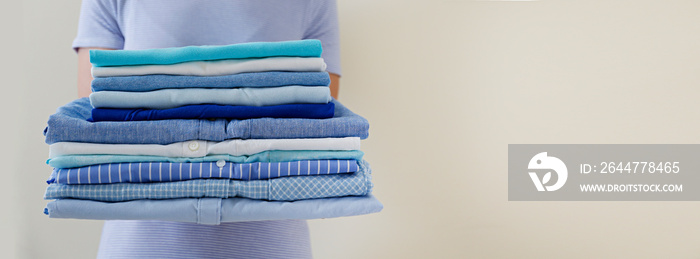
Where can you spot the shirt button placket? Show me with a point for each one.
(195, 149)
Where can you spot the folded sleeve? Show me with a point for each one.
(98, 25)
(323, 25)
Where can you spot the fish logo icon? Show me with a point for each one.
(542, 161)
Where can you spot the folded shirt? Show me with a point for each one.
(296, 48)
(170, 172)
(69, 124)
(71, 161)
(214, 111)
(213, 211)
(171, 98)
(200, 148)
(216, 68)
(157, 82)
(280, 189)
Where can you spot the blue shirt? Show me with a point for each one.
(71, 161)
(170, 172)
(70, 124)
(278, 189)
(144, 83)
(213, 211)
(214, 111)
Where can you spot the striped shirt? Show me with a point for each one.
(280, 189)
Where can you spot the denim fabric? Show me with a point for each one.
(72, 161)
(213, 210)
(69, 124)
(216, 68)
(170, 172)
(295, 48)
(280, 189)
(171, 98)
(213, 111)
(157, 82)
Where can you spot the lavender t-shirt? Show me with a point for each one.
(121, 24)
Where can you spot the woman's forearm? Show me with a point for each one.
(335, 84)
(84, 75)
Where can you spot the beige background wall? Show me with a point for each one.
(446, 85)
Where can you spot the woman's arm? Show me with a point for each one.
(335, 85)
(84, 75)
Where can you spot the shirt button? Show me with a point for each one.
(220, 163)
(193, 145)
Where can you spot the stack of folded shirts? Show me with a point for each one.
(209, 134)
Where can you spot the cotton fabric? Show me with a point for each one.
(216, 68)
(171, 98)
(72, 161)
(280, 189)
(223, 210)
(165, 56)
(70, 124)
(214, 111)
(157, 82)
(118, 24)
(167, 239)
(169, 172)
(200, 148)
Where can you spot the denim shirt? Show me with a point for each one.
(70, 123)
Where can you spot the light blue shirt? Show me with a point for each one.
(213, 211)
